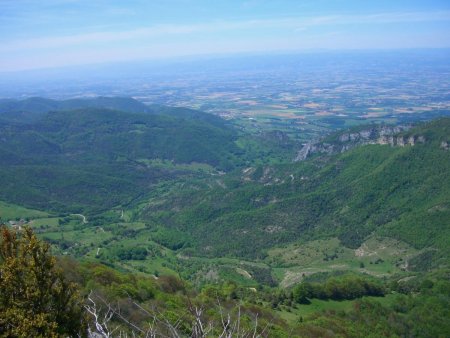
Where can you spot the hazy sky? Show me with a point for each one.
(51, 33)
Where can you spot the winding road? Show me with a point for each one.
(82, 217)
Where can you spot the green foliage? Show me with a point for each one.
(426, 260)
(338, 288)
(419, 315)
(10, 212)
(132, 254)
(171, 238)
(169, 300)
(35, 299)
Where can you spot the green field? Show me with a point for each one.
(302, 311)
(11, 212)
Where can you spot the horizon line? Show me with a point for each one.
(211, 56)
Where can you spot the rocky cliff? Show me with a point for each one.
(344, 141)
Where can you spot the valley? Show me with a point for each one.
(258, 223)
(311, 220)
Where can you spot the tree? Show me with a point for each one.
(35, 298)
(302, 292)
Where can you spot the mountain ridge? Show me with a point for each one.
(372, 186)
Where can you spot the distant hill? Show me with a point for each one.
(101, 133)
(98, 157)
(33, 108)
(185, 113)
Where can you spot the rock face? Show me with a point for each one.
(304, 152)
(348, 140)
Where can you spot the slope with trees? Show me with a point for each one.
(399, 192)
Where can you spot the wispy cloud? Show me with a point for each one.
(290, 24)
(104, 43)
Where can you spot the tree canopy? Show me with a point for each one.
(35, 298)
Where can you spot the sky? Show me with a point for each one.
(38, 34)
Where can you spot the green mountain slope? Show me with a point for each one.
(113, 134)
(400, 192)
(98, 158)
(31, 109)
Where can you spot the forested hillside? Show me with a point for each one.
(401, 192)
(172, 163)
(98, 158)
(31, 109)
